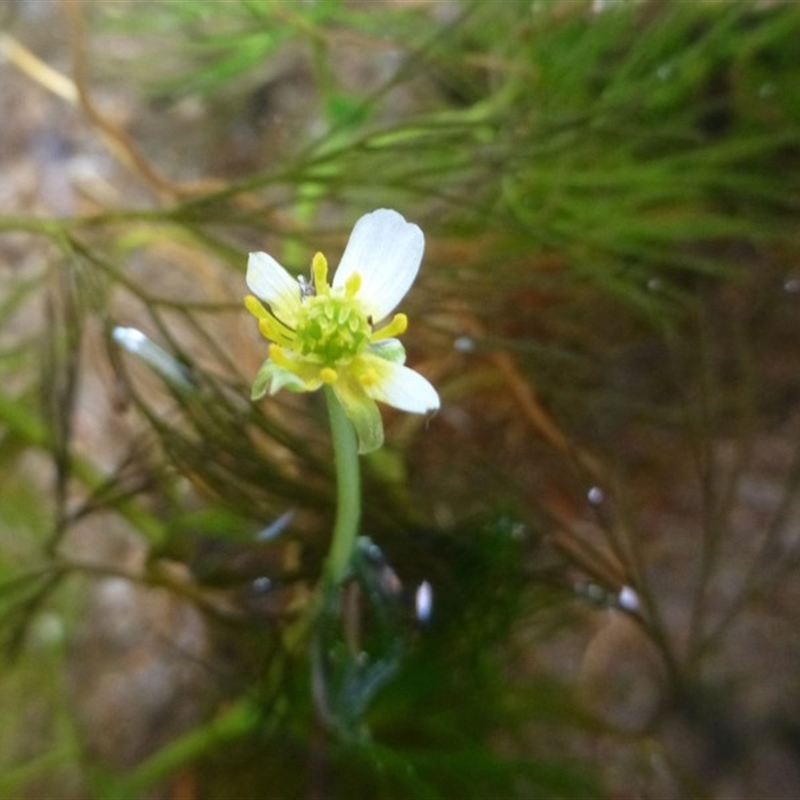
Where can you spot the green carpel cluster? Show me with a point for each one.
(332, 328)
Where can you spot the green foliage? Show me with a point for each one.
(610, 202)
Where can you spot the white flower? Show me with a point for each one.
(325, 333)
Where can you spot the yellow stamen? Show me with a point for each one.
(273, 329)
(397, 326)
(254, 306)
(368, 376)
(352, 285)
(277, 355)
(319, 267)
(328, 375)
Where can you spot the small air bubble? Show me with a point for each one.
(664, 71)
(628, 599)
(595, 495)
(262, 584)
(792, 286)
(423, 601)
(464, 344)
(275, 528)
(655, 284)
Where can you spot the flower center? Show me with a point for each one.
(332, 328)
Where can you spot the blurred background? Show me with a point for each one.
(605, 510)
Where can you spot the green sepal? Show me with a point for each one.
(389, 350)
(363, 412)
(272, 378)
(262, 380)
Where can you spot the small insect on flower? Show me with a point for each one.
(323, 333)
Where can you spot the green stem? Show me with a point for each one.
(348, 491)
(230, 725)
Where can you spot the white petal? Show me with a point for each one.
(405, 389)
(386, 251)
(270, 282)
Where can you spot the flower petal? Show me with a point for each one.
(386, 251)
(270, 282)
(402, 387)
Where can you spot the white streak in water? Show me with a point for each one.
(158, 359)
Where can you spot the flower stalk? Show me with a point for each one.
(348, 492)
